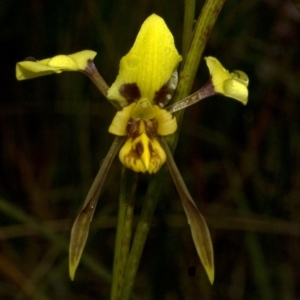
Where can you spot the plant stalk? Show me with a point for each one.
(205, 23)
(124, 229)
(207, 18)
(150, 203)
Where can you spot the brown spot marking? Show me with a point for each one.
(218, 9)
(130, 91)
(151, 149)
(165, 93)
(206, 34)
(139, 148)
(151, 128)
(133, 128)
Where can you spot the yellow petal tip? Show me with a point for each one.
(72, 273)
(149, 63)
(233, 85)
(211, 274)
(74, 62)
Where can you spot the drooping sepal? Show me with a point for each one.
(80, 229)
(200, 233)
(199, 229)
(79, 235)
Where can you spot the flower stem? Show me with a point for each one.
(124, 229)
(92, 73)
(206, 91)
(200, 36)
(188, 23)
(150, 203)
(204, 25)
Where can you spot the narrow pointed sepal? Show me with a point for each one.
(81, 226)
(199, 229)
(79, 235)
(200, 234)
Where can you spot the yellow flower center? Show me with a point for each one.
(142, 151)
(142, 122)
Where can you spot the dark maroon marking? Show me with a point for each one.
(139, 149)
(133, 128)
(130, 91)
(152, 152)
(163, 96)
(151, 128)
(165, 93)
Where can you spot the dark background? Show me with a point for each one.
(241, 164)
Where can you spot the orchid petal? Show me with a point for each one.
(74, 62)
(149, 64)
(233, 85)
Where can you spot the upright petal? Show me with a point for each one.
(150, 62)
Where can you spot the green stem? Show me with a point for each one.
(124, 229)
(188, 23)
(204, 25)
(150, 203)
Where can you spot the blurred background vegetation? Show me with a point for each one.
(241, 164)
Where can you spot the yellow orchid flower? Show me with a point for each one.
(145, 84)
(142, 122)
